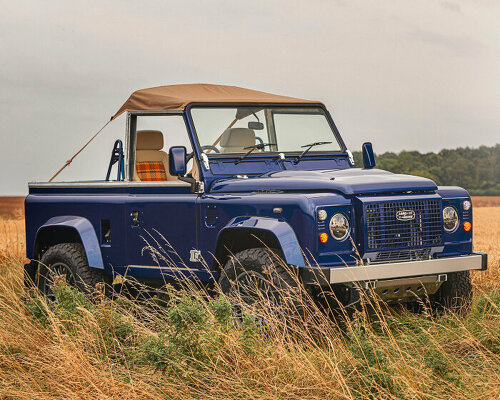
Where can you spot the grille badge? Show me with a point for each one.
(405, 215)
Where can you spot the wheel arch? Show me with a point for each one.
(249, 232)
(69, 229)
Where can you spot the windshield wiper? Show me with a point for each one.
(258, 146)
(309, 147)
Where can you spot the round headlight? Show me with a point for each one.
(450, 219)
(322, 215)
(339, 226)
(466, 205)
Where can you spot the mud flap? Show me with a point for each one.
(30, 274)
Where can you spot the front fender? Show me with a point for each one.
(280, 229)
(84, 229)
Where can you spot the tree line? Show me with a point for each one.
(477, 170)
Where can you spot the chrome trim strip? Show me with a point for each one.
(405, 269)
(163, 268)
(102, 184)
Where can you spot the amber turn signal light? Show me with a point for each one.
(323, 237)
(467, 226)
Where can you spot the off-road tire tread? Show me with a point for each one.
(282, 277)
(263, 254)
(74, 255)
(456, 292)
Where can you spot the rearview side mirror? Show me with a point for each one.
(255, 125)
(177, 160)
(368, 156)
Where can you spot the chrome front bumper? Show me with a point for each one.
(395, 270)
(476, 261)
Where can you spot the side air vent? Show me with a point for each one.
(211, 216)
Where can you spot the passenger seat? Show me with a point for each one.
(151, 163)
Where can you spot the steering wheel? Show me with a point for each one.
(259, 139)
(210, 147)
(206, 147)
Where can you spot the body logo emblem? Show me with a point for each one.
(405, 215)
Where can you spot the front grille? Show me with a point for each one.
(415, 254)
(384, 230)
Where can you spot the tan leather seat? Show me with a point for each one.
(151, 161)
(234, 140)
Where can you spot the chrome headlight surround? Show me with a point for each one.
(339, 226)
(322, 215)
(450, 219)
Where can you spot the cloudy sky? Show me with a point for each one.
(406, 74)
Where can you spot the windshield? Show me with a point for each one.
(270, 129)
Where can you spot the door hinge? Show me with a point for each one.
(199, 187)
(195, 256)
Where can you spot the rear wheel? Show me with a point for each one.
(455, 294)
(69, 260)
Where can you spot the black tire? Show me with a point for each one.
(455, 294)
(258, 268)
(67, 259)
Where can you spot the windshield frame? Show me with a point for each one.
(266, 154)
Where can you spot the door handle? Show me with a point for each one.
(135, 218)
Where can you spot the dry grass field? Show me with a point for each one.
(194, 348)
(12, 206)
(486, 201)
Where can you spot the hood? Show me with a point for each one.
(350, 181)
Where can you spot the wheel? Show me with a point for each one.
(67, 259)
(455, 293)
(256, 275)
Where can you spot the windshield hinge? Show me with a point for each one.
(197, 187)
(204, 158)
(351, 158)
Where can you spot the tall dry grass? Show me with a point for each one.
(487, 238)
(193, 347)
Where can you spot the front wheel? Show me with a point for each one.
(69, 260)
(257, 275)
(455, 294)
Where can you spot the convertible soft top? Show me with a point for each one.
(177, 97)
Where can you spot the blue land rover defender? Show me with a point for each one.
(240, 180)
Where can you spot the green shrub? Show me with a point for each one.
(36, 306)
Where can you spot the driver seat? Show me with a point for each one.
(151, 163)
(234, 140)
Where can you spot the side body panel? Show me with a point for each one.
(94, 207)
(219, 212)
(165, 231)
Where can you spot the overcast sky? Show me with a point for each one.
(416, 75)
